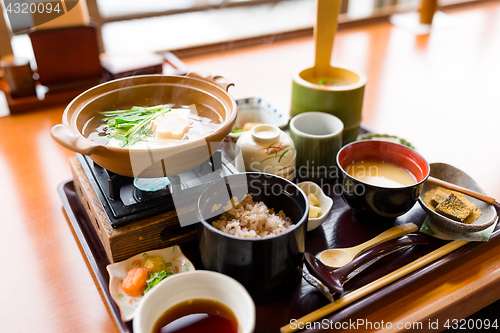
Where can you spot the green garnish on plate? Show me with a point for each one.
(155, 278)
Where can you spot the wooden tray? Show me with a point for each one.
(340, 229)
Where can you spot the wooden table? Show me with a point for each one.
(439, 91)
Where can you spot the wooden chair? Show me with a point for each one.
(67, 57)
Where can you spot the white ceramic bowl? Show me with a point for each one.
(195, 285)
(325, 202)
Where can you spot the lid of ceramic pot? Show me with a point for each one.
(265, 133)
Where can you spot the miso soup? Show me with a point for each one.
(381, 174)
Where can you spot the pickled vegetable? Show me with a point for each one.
(135, 282)
(314, 208)
(313, 200)
(157, 278)
(154, 264)
(314, 211)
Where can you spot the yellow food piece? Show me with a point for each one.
(314, 211)
(248, 126)
(314, 208)
(154, 264)
(313, 200)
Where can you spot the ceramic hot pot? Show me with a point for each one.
(205, 91)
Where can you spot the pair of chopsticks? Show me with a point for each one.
(460, 189)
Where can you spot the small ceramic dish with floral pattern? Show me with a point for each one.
(175, 263)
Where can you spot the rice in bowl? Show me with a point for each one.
(251, 219)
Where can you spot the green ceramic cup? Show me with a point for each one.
(342, 101)
(318, 138)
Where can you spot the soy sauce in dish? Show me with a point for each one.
(197, 315)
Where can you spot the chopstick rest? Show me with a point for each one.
(330, 282)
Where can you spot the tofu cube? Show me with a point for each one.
(313, 200)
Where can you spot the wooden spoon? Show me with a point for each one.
(335, 258)
(324, 33)
(480, 196)
(336, 278)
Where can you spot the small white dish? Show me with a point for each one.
(325, 203)
(254, 110)
(196, 285)
(173, 257)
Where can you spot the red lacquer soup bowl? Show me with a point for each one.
(375, 203)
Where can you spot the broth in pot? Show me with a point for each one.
(153, 126)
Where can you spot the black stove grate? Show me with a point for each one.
(123, 203)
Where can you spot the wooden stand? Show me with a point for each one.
(33, 103)
(151, 233)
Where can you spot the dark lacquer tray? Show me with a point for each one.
(340, 229)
